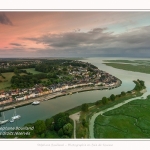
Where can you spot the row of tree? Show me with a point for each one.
(12, 68)
(139, 84)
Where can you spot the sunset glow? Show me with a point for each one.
(74, 34)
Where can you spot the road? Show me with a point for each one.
(75, 117)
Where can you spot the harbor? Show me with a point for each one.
(58, 94)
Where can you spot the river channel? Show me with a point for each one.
(46, 109)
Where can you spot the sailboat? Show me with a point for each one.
(3, 121)
(15, 116)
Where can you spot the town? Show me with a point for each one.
(7, 65)
(81, 74)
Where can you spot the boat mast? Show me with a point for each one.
(14, 112)
(3, 116)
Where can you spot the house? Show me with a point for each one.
(20, 98)
(99, 83)
(5, 100)
(36, 94)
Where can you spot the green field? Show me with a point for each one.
(129, 67)
(129, 61)
(122, 61)
(131, 120)
(6, 82)
(32, 70)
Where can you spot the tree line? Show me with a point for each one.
(26, 81)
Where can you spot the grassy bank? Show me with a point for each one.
(131, 120)
(129, 67)
(83, 131)
(129, 61)
(5, 82)
(122, 61)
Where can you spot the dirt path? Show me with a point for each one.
(75, 117)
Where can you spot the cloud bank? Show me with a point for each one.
(97, 42)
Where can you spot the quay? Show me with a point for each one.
(58, 94)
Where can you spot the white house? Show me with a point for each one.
(19, 98)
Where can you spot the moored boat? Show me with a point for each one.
(36, 103)
(4, 120)
(15, 116)
(11, 120)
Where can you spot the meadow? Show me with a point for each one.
(120, 61)
(129, 61)
(131, 120)
(130, 67)
(5, 83)
(32, 70)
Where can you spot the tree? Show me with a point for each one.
(137, 87)
(84, 107)
(123, 93)
(16, 71)
(84, 123)
(97, 102)
(60, 120)
(49, 122)
(64, 69)
(141, 82)
(59, 124)
(42, 135)
(104, 100)
(112, 97)
(148, 97)
(39, 126)
(68, 129)
(60, 132)
(65, 137)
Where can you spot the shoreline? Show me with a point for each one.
(58, 94)
(76, 115)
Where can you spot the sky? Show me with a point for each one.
(75, 34)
